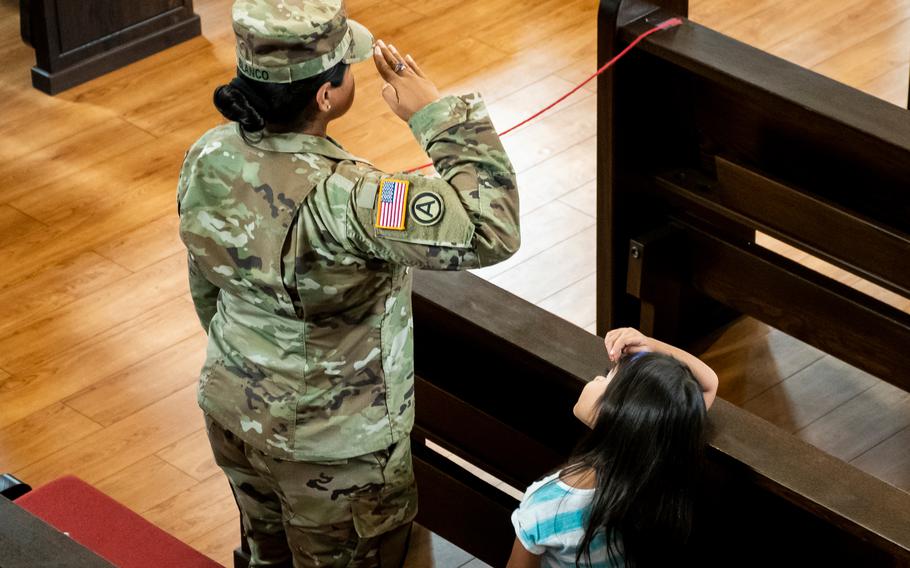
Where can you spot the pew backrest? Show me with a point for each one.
(497, 379)
(704, 140)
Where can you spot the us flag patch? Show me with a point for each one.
(393, 199)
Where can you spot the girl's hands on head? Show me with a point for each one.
(627, 340)
(406, 91)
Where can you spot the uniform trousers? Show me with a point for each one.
(354, 512)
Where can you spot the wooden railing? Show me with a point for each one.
(497, 379)
(702, 142)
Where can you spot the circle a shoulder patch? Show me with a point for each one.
(427, 208)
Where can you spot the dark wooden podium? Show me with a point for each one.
(78, 40)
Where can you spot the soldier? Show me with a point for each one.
(300, 259)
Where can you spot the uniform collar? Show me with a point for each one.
(299, 143)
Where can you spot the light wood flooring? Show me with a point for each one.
(99, 345)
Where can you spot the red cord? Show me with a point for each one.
(671, 23)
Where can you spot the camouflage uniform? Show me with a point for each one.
(347, 512)
(308, 379)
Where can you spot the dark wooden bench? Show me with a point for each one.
(78, 40)
(702, 141)
(497, 379)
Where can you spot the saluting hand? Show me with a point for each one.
(407, 90)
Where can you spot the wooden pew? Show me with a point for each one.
(702, 141)
(682, 124)
(497, 379)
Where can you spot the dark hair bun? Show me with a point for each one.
(254, 104)
(235, 105)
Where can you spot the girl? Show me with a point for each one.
(626, 497)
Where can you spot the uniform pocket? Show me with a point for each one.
(394, 503)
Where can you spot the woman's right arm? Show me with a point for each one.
(466, 218)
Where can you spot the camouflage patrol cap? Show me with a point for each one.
(279, 41)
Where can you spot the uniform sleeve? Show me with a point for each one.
(527, 528)
(203, 292)
(465, 218)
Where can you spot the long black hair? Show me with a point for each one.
(646, 450)
(256, 104)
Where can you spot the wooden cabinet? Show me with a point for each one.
(78, 40)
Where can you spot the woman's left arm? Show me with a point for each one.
(521, 558)
(203, 293)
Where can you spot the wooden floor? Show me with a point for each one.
(99, 345)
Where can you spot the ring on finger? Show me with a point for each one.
(400, 66)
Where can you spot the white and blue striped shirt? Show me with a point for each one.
(550, 522)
